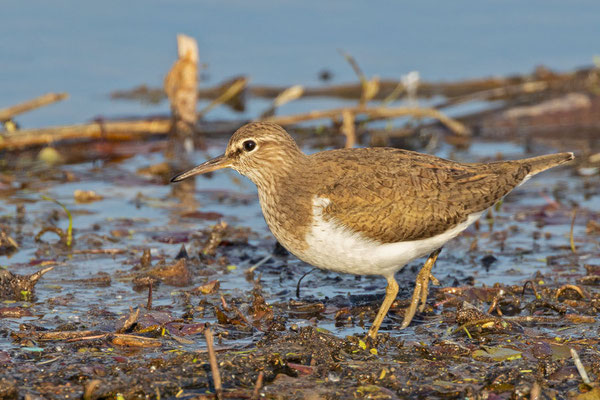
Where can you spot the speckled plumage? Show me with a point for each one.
(331, 207)
(387, 194)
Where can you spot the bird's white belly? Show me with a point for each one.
(332, 246)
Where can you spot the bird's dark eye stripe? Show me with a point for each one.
(249, 145)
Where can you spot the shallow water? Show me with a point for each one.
(150, 216)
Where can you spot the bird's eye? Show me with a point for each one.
(249, 145)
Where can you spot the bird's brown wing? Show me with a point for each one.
(402, 195)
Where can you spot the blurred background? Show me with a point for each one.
(89, 49)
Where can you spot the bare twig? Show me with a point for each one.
(571, 239)
(149, 302)
(259, 263)
(224, 303)
(290, 94)
(100, 251)
(53, 229)
(348, 128)
(496, 93)
(398, 90)
(375, 113)
(236, 87)
(536, 391)
(125, 340)
(89, 337)
(369, 87)
(214, 366)
(49, 98)
(575, 288)
(37, 275)
(55, 335)
(535, 292)
(580, 368)
(258, 386)
(352, 61)
(300, 280)
(495, 300)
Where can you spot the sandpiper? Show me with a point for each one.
(367, 211)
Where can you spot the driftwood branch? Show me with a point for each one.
(540, 80)
(111, 130)
(375, 113)
(214, 365)
(131, 130)
(495, 88)
(49, 98)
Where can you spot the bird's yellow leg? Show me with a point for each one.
(391, 291)
(421, 289)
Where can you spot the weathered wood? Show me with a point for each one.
(181, 86)
(374, 113)
(481, 88)
(112, 130)
(348, 128)
(49, 98)
(181, 83)
(230, 95)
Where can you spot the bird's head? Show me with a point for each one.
(259, 150)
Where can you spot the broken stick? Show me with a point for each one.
(9, 113)
(375, 113)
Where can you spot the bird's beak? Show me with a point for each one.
(211, 165)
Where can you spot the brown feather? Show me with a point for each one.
(388, 195)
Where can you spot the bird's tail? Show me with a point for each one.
(542, 163)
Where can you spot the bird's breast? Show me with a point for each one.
(288, 215)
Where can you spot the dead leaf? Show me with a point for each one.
(177, 274)
(207, 288)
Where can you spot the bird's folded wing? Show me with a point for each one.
(416, 201)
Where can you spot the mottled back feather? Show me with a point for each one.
(393, 195)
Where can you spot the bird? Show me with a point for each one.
(370, 210)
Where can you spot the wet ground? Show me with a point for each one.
(123, 311)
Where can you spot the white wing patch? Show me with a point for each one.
(334, 247)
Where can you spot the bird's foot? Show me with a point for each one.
(391, 292)
(419, 297)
